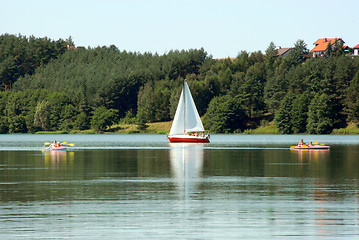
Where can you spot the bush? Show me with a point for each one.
(103, 118)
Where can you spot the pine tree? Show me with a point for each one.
(352, 100)
(283, 118)
(320, 115)
(299, 114)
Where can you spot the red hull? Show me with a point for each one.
(188, 139)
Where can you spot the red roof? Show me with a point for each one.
(325, 40)
(322, 44)
(357, 46)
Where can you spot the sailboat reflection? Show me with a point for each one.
(186, 165)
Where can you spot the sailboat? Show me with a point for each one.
(187, 125)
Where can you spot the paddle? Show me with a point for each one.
(63, 143)
(69, 144)
(46, 143)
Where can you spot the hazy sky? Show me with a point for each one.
(223, 28)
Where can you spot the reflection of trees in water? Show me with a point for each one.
(150, 162)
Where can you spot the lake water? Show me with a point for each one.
(142, 187)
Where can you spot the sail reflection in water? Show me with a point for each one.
(186, 165)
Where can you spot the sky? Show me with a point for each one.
(223, 28)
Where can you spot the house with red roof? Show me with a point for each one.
(322, 44)
(356, 50)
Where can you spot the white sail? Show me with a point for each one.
(186, 118)
(178, 121)
(193, 122)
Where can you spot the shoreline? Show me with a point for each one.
(164, 128)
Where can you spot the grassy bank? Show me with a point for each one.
(267, 129)
(351, 129)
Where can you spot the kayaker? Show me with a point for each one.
(53, 144)
(310, 144)
(301, 143)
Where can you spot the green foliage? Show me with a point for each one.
(113, 79)
(130, 118)
(4, 125)
(54, 89)
(252, 90)
(81, 122)
(338, 49)
(41, 118)
(297, 53)
(320, 115)
(353, 99)
(20, 55)
(68, 118)
(275, 88)
(34, 110)
(153, 101)
(225, 114)
(17, 124)
(103, 118)
(299, 113)
(283, 119)
(141, 120)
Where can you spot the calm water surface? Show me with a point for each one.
(142, 187)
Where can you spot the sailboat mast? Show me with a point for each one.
(184, 109)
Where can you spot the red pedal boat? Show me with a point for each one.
(310, 147)
(61, 148)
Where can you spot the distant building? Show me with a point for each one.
(70, 47)
(283, 51)
(224, 59)
(356, 50)
(322, 44)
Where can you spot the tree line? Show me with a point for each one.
(47, 87)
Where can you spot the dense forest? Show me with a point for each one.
(47, 86)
